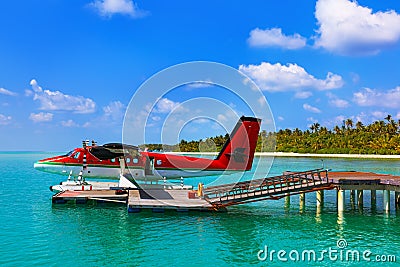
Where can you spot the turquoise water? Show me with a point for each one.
(33, 232)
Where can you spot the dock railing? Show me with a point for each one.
(276, 187)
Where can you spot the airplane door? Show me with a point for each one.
(149, 168)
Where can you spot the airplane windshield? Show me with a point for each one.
(69, 153)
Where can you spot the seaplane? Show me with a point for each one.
(128, 164)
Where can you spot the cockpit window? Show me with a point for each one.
(76, 156)
(69, 153)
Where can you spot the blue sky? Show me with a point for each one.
(69, 68)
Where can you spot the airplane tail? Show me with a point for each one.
(238, 151)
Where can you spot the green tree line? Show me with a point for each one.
(379, 137)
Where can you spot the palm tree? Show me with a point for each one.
(337, 129)
(359, 125)
(388, 117)
(315, 127)
(297, 132)
(398, 124)
(349, 123)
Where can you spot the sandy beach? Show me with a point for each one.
(361, 156)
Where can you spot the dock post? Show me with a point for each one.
(360, 199)
(340, 207)
(340, 200)
(302, 201)
(320, 204)
(353, 199)
(287, 198)
(373, 199)
(386, 200)
(320, 198)
(397, 199)
(287, 201)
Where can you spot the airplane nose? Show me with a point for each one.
(38, 166)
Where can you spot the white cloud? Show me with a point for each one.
(303, 94)
(311, 108)
(156, 118)
(355, 78)
(347, 28)
(201, 84)
(277, 77)
(7, 92)
(274, 38)
(221, 118)
(338, 120)
(115, 110)
(4, 120)
(41, 117)
(379, 115)
(109, 8)
(365, 118)
(262, 101)
(229, 115)
(362, 117)
(201, 120)
(86, 124)
(371, 97)
(28, 92)
(69, 123)
(165, 105)
(56, 100)
(337, 102)
(368, 118)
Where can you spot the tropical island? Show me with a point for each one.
(382, 137)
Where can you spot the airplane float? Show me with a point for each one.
(111, 160)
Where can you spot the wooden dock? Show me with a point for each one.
(99, 196)
(160, 200)
(345, 180)
(217, 198)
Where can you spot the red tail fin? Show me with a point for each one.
(238, 151)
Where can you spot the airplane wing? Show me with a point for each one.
(114, 150)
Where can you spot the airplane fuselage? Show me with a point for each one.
(148, 166)
(110, 160)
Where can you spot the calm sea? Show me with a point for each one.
(33, 232)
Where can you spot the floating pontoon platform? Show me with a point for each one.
(84, 196)
(161, 200)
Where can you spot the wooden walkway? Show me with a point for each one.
(276, 187)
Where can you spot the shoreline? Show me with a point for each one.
(357, 156)
(306, 155)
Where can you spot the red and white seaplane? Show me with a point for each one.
(116, 161)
